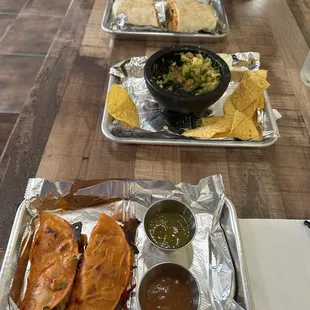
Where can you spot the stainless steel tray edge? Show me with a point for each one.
(243, 281)
(153, 35)
(107, 119)
(11, 253)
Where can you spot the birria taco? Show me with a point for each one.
(105, 272)
(54, 257)
(138, 12)
(190, 16)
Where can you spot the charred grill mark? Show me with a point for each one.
(130, 229)
(122, 305)
(77, 301)
(49, 230)
(62, 246)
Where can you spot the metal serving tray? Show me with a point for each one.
(163, 35)
(229, 223)
(107, 121)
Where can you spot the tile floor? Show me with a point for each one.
(27, 29)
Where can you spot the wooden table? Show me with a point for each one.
(58, 133)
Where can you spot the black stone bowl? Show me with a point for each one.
(181, 100)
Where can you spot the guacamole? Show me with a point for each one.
(196, 75)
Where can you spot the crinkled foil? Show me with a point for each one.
(156, 122)
(119, 22)
(208, 257)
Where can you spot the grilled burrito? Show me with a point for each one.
(105, 270)
(138, 12)
(53, 256)
(190, 16)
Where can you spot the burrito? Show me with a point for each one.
(53, 256)
(105, 271)
(138, 12)
(190, 16)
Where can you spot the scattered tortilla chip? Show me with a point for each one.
(237, 125)
(237, 74)
(260, 129)
(244, 128)
(251, 109)
(201, 132)
(211, 120)
(229, 108)
(250, 88)
(261, 73)
(121, 107)
(224, 134)
(205, 132)
(261, 99)
(255, 118)
(125, 125)
(261, 102)
(237, 119)
(240, 112)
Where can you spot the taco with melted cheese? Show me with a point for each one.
(54, 256)
(138, 12)
(190, 16)
(105, 271)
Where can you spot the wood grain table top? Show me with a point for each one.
(58, 134)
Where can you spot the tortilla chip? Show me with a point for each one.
(261, 102)
(243, 128)
(237, 119)
(201, 132)
(251, 109)
(240, 111)
(121, 107)
(250, 88)
(211, 120)
(206, 132)
(260, 129)
(255, 118)
(261, 99)
(261, 73)
(125, 125)
(224, 134)
(229, 108)
(53, 258)
(106, 268)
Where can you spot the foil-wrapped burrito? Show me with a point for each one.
(184, 16)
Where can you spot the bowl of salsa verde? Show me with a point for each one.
(168, 286)
(169, 224)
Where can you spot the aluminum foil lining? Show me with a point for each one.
(155, 122)
(120, 23)
(208, 257)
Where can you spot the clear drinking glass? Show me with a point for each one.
(305, 71)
